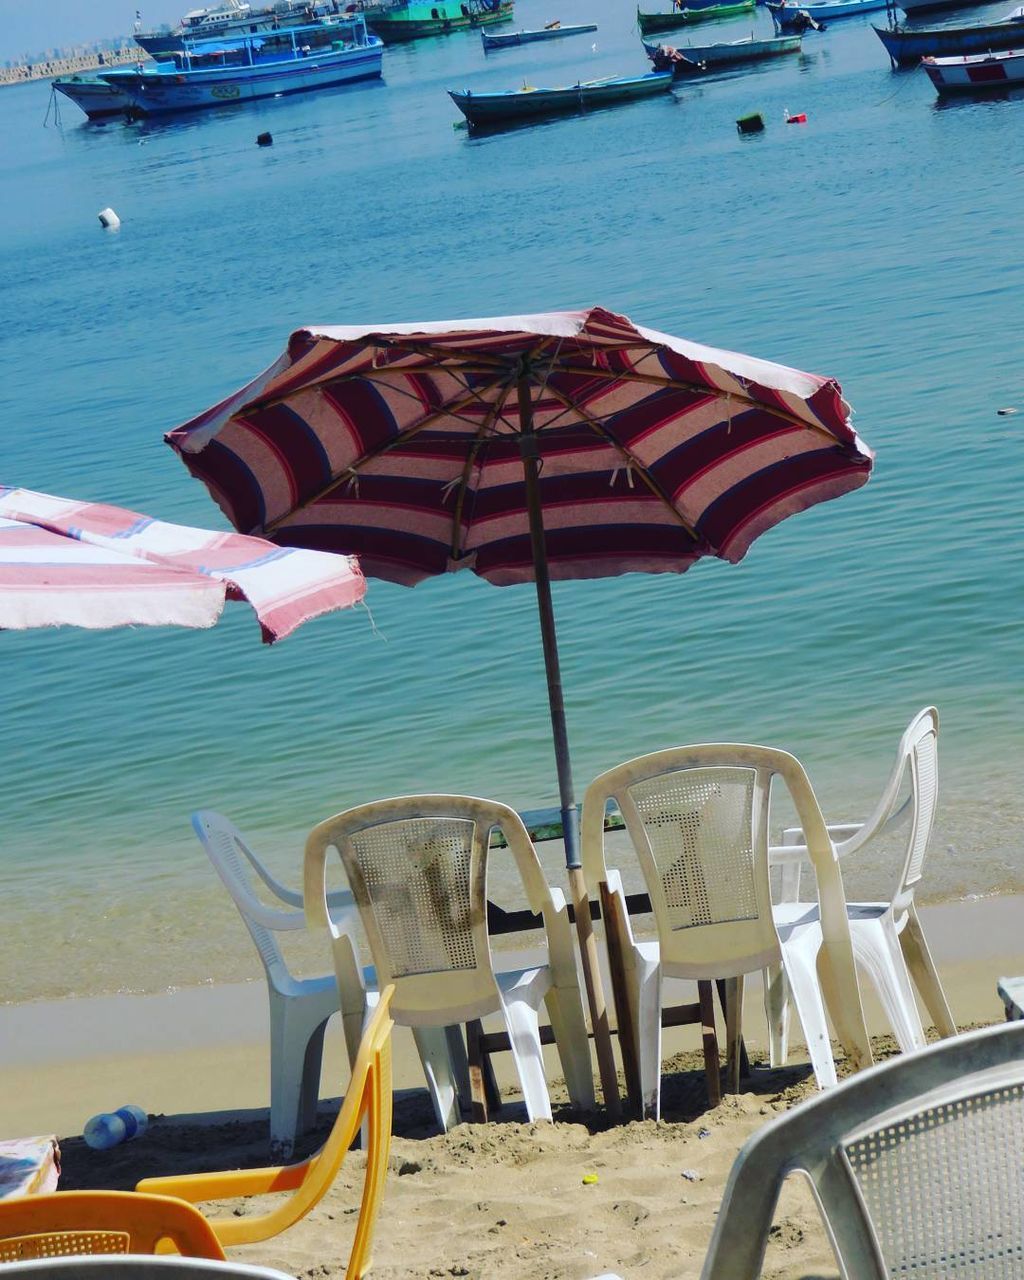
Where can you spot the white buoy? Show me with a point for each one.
(109, 219)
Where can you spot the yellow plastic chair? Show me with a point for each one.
(74, 1222)
(369, 1097)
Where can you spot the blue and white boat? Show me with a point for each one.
(786, 13)
(211, 73)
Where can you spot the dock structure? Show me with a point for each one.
(47, 70)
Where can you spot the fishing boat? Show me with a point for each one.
(511, 105)
(786, 13)
(651, 23)
(97, 99)
(906, 46)
(414, 20)
(211, 73)
(912, 7)
(692, 59)
(228, 20)
(509, 39)
(976, 72)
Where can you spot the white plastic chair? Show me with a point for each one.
(698, 821)
(135, 1266)
(417, 866)
(888, 941)
(916, 1167)
(299, 1007)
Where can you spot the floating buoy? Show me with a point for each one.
(750, 124)
(264, 139)
(800, 118)
(109, 219)
(1005, 413)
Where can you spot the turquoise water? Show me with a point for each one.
(879, 243)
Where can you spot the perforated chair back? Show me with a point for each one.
(417, 867)
(697, 818)
(916, 1165)
(71, 1222)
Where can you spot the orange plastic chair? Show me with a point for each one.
(71, 1222)
(369, 1096)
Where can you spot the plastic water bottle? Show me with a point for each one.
(109, 1128)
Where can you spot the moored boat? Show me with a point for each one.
(414, 20)
(786, 13)
(976, 72)
(210, 73)
(906, 46)
(97, 99)
(511, 105)
(231, 19)
(651, 23)
(912, 7)
(509, 39)
(691, 59)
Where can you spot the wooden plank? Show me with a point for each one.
(712, 1062)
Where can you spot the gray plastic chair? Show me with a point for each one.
(132, 1266)
(917, 1166)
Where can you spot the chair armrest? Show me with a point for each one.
(196, 1187)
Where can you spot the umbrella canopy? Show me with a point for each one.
(564, 445)
(84, 564)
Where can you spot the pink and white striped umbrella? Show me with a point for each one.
(85, 564)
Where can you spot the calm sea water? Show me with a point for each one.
(879, 243)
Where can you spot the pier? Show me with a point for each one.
(68, 66)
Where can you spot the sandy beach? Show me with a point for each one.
(506, 1199)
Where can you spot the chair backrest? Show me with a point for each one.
(136, 1266)
(697, 818)
(417, 867)
(63, 1222)
(916, 1165)
(369, 1097)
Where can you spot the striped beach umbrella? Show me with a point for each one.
(85, 564)
(525, 448)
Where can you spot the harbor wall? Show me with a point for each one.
(68, 66)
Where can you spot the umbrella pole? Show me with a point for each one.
(566, 793)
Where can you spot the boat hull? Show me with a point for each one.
(697, 58)
(937, 6)
(907, 48)
(393, 28)
(99, 100)
(512, 39)
(490, 109)
(785, 14)
(159, 94)
(976, 73)
(651, 23)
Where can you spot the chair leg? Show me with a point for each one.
(523, 1024)
(709, 1034)
(733, 1032)
(432, 1043)
(460, 1065)
(565, 1014)
(925, 975)
(800, 961)
(310, 1095)
(288, 1072)
(837, 974)
(777, 1011)
(877, 953)
(648, 1038)
(720, 984)
(479, 1067)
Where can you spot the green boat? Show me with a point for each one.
(682, 17)
(413, 20)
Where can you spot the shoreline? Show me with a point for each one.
(206, 1048)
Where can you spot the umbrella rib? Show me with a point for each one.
(351, 471)
(600, 429)
(486, 426)
(675, 384)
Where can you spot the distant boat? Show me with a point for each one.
(97, 99)
(976, 72)
(211, 73)
(650, 23)
(906, 46)
(509, 39)
(695, 58)
(519, 104)
(785, 12)
(398, 23)
(931, 6)
(228, 20)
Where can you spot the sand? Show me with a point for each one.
(505, 1199)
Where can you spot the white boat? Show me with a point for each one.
(786, 13)
(231, 19)
(97, 99)
(212, 73)
(976, 72)
(506, 39)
